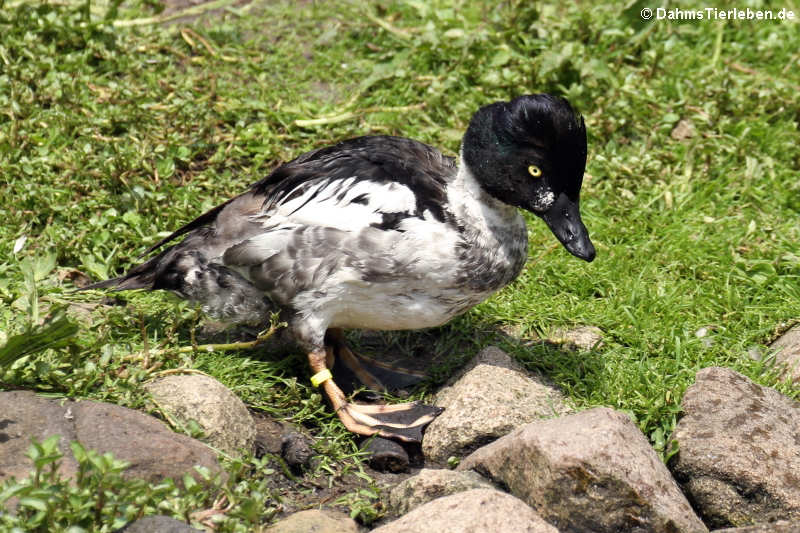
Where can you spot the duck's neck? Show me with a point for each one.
(476, 207)
(494, 233)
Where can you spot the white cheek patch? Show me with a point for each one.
(543, 199)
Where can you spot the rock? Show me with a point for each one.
(487, 402)
(283, 439)
(153, 450)
(315, 521)
(784, 526)
(296, 449)
(386, 455)
(472, 511)
(788, 353)
(590, 471)
(269, 434)
(158, 524)
(26, 416)
(739, 450)
(492, 356)
(225, 420)
(684, 129)
(430, 484)
(583, 338)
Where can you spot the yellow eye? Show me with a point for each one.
(535, 171)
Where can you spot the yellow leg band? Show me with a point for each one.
(321, 377)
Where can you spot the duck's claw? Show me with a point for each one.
(405, 421)
(375, 375)
(386, 377)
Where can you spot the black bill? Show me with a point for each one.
(564, 220)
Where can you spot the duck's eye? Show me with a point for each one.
(535, 171)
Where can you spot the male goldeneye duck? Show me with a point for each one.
(382, 233)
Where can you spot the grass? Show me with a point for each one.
(110, 137)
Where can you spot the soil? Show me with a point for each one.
(296, 487)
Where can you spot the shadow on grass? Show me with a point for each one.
(438, 352)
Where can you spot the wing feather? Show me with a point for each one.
(356, 187)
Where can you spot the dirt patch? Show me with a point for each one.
(300, 489)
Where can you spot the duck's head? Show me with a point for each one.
(531, 153)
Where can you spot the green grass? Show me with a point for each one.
(112, 136)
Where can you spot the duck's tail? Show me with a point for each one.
(191, 268)
(156, 273)
(139, 277)
(162, 271)
(185, 270)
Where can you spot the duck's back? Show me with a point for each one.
(367, 164)
(354, 211)
(356, 228)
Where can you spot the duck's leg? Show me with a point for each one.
(374, 375)
(403, 422)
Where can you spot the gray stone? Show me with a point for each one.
(153, 450)
(296, 450)
(590, 471)
(315, 521)
(583, 338)
(739, 450)
(783, 526)
(684, 129)
(430, 484)
(226, 422)
(492, 356)
(472, 511)
(385, 455)
(787, 353)
(158, 524)
(488, 401)
(25, 417)
(284, 439)
(270, 434)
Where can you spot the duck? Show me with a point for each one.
(381, 233)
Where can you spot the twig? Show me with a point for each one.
(188, 31)
(180, 370)
(348, 115)
(224, 347)
(326, 120)
(790, 63)
(188, 12)
(220, 506)
(700, 111)
(403, 34)
(717, 46)
(747, 70)
(171, 421)
(742, 68)
(187, 34)
(146, 345)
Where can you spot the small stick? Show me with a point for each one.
(191, 11)
(224, 347)
(331, 119)
(181, 370)
(403, 34)
(146, 348)
(186, 33)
